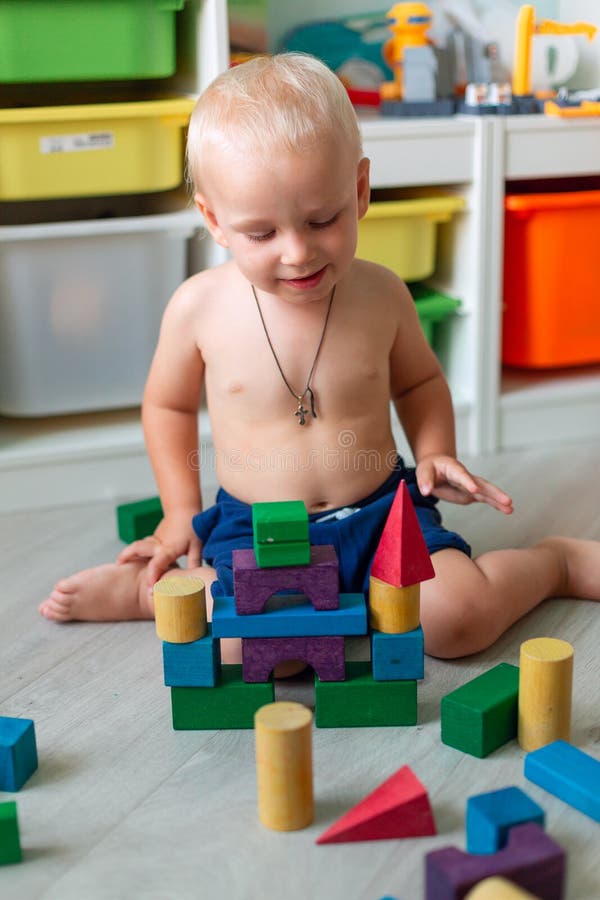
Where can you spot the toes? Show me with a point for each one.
(55, 610)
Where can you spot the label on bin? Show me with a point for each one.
(73, 143)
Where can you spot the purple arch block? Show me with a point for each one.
(531, 859)
(319, 580)
(325, 654)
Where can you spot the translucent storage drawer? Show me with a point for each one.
(87, 40)
(80, 310)
(92, 149)
(402, 234)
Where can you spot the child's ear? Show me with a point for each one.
(210, 220)
(363, 186)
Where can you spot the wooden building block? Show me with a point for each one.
(498, 888)
(285, 520)
(295, 615)
(402, 558)
(230, 704)
(568, 773)
(138, 519)
(284, 772)
(195, 664)
(393, 610)
(319, 581)
(360, 700)
(545, 688)
(531, 859)
(481, 715)
(398, 808)
(180, 608)
(398, 657)
(18, 752)
(281, 555)
(490, 817)
(10, 843)
(326, 655)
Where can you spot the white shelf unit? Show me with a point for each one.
(448, 155)
(79, 458)
(533, 408)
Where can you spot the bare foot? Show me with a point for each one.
(580, 562)
(108, 593)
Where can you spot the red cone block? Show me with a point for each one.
(402, 557)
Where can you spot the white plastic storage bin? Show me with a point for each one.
(80, 309)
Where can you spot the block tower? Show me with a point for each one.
(287, 606)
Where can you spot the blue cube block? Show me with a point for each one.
(490, 817)
(18, 752)
(195, 664)
(398, 657)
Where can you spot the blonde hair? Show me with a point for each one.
(283, 102)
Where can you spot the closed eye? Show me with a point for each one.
(260, 237)
(326, 223)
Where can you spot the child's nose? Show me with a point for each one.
(297, 250)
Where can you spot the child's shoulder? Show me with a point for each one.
(378, 283)
(200, 293)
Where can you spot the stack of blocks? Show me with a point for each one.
(18, 761)
(287, 606)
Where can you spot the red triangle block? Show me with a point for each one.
(402, 558)
(398, 808)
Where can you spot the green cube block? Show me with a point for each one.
(230, 704)
(138, 519)
(286, 553)
(481, 715)
(10, 844)
(286, 521)
(362, 701)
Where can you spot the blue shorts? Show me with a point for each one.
(353, 531)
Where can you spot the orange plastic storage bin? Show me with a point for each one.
(551, 280)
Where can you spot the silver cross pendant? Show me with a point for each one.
(301, 413)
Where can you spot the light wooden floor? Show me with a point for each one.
(124, 807)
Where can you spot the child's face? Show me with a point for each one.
(290, 221)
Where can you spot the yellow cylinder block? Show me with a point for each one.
(393, 610)
(498, 888)
(180, 608)
(545, 687)
(283, 734)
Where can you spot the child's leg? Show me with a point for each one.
(109, 593)
(470, 603)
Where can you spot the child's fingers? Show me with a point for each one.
(194, 554)
(160, 563)
(142, 549)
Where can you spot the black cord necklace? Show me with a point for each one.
(301, 411)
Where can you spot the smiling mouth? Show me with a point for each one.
(307, 280)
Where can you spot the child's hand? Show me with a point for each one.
(448, 479)
(174, 537)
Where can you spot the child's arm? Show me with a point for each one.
(170, 418)
(422, 399)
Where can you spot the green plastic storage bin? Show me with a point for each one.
(86, 40)
(432, 307)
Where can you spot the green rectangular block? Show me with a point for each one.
(284, 553)
(285, 520)
(138, 519)
(481, 715)
(362, 701)
(10, 844)
(230, 704)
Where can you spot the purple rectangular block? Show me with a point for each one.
(325, 654)
(531, 859)
(319, 580)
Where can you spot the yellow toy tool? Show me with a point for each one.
(409, 23)
(525, 29)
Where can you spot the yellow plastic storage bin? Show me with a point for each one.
(93, 149)
(401, 234)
